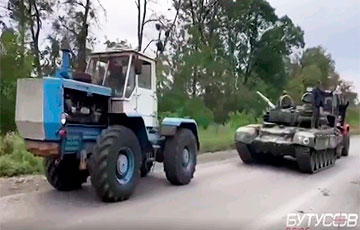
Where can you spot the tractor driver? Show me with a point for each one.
(117, 74)
(318, 100)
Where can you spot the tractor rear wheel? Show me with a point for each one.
(180, 155)
(146, 167)
(115, 164)
(64, 175)
(346, 143)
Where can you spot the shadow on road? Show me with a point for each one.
(286, 165)
(151, 185)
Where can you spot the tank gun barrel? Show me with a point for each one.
(271, 105)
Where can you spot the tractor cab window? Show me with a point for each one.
(144, 79)
(96, 69)
(116, 74)
(131, 80)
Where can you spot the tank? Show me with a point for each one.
(288, 130)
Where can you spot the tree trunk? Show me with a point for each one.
(141, 22)
(194, 82)
(81, 60)
(35, 32)
(22, 31)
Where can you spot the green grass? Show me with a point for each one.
(15, 160)
(216, 138)
(353, 118)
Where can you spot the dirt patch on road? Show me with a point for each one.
(324, 191)
(22, 184)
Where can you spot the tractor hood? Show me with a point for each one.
(40, 105)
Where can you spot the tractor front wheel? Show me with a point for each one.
(115, 164)
(180, 155)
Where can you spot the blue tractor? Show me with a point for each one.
(103, 124)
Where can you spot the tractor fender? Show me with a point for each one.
(170, 125)
(136, 123)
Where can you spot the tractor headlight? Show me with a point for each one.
(63, 118)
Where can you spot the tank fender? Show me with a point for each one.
(246, 134)
(169, 127)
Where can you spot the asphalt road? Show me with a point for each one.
(225, 194)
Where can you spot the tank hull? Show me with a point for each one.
(314, 149)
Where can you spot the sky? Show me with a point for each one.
(333, 24)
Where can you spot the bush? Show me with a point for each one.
(162, 115)
(196, 109)
(353, 116)
(176, 104)
(238, 119)
(216, 138)
(15, 160)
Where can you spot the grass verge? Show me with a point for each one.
(216, 138)
(15, 160)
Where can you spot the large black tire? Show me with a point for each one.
(115, 146)
(180, 155)
(64, 175)
(346, 143)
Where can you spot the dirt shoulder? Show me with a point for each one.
(22, 184)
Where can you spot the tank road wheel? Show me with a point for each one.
(311, 160)
(180, 155)
(306, 159)
(64, 175)
(323, 159)
(244, 153)
(332, 156)
(115, 164)
(327, 158)
(346, 143)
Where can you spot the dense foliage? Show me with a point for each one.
(212, 56)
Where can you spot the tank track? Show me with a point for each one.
(312, 161)
(244, 153)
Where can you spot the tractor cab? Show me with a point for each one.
(131, 76)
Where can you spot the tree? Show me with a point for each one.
(118, 44)
(142, 10)
(50, 55)
(162, 25)
(29, 16)
(15, 63)
(80, 15)
(347, 89)
(314, 65)
(37, 11)
(222, 49)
